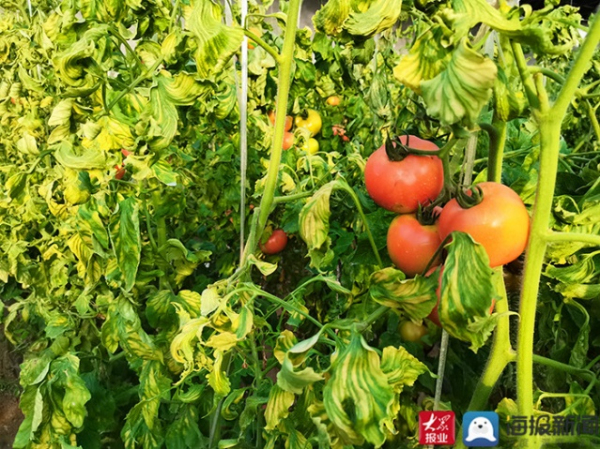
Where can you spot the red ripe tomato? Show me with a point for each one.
(400, 186)
(275, 243)
(288, 140)
(411, 245)
(120, 172)
(434, 315)
(500, 222)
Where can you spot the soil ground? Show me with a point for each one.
(10, 415)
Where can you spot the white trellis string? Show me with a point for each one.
(243, 129)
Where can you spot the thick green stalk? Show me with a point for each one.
(286, 61)
(549, 127)
(536, 249)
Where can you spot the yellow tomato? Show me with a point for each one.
(312, 122)
(311, 146)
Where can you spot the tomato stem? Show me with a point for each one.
(261, 43)
(549, 127)
(286, 60)
(344, 186)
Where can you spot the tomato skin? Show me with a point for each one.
(120, 172)
(400, 186)
(311, 146)
(410, 331)
(288, 140)
(334, 100)
(276, 242)
(289, 121)
(411, 245)
(500, 222)
(434, 315)
(312, 123)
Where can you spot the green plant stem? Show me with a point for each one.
(547, 72)
(122, 40)
(592, 239)
(593, 119)
(549, 127)
(147, 74)
(580, 66)
(286, 61)
(260, 42)
(374, 316)
(536, 249)
(585, 374)
(495, 160)
(526, 75)
(351, 192)
(257, 380)
(290, 198)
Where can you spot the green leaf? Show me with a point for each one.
(425, 60)
(462, 89)
(278, 406)
(80, 159)
(294, 381)
(314, 226)
(210, 301)
(74, 400)
(217, 378)
(400, 367)
(164, 173)
(91, 225)
(378, 17)
(414, 297)
(467, 292)
(126, 239)
(358, 398)
(330, 18)
(265, 268)
(216, 43)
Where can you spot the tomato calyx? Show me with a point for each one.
(469, 198)
(428, 215)
(396, 150)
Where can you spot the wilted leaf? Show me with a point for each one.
(462, 89)
(414, 297)
(358, 397)
(467, 291)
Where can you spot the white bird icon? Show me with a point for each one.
(428, 425)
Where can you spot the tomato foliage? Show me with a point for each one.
(144, 321)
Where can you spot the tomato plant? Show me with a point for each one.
(402, 185)
(143, 308)
(412, 245)
(500, 222)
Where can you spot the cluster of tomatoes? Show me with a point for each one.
(498, 220)
(311, 121)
